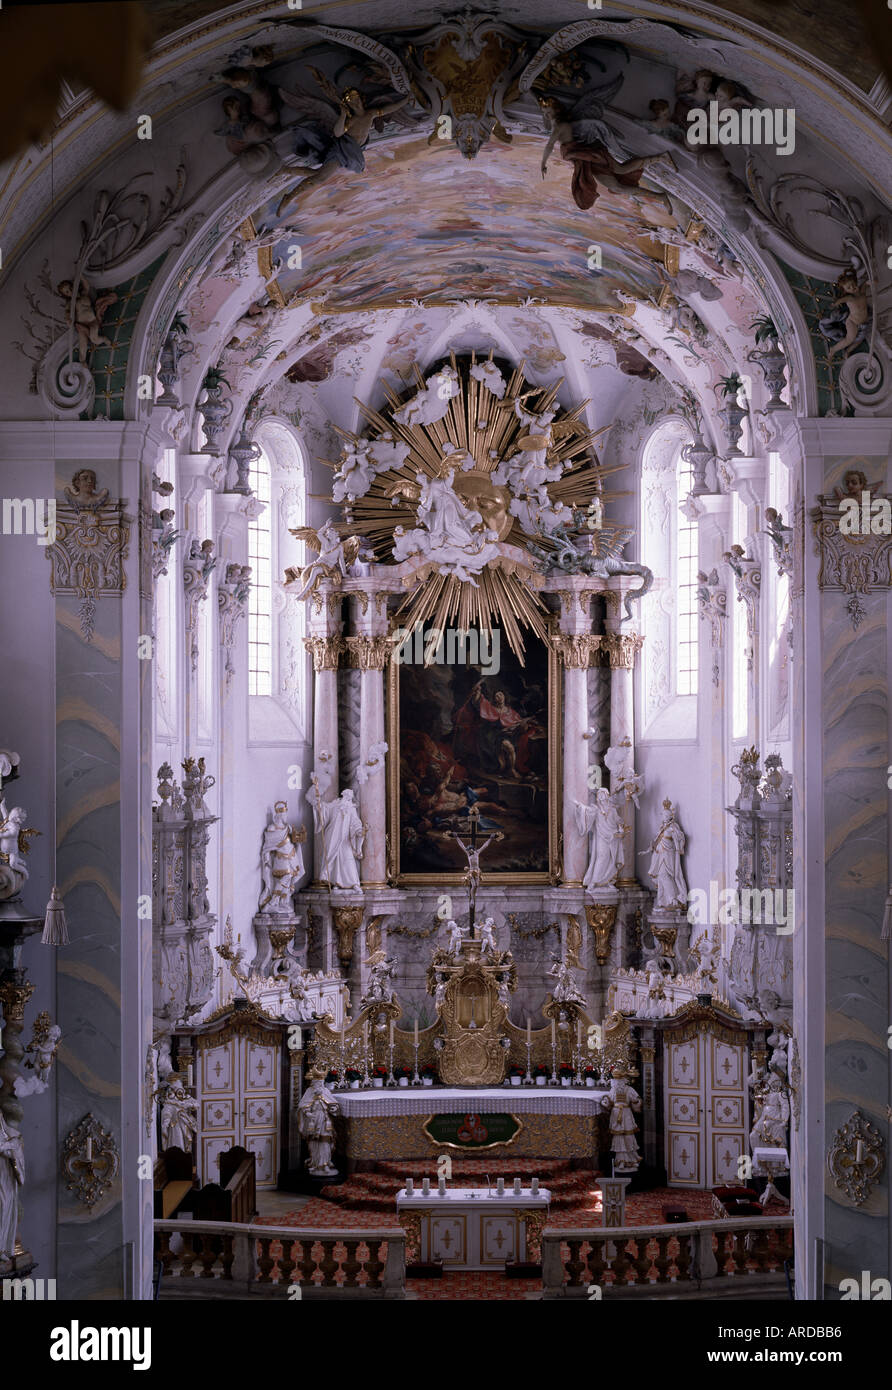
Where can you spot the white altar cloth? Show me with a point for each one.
(471, 1228)
(495, 1100)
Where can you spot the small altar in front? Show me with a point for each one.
(472, 1227)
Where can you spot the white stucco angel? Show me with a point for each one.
(665, 869)
(624, 780)
(488, 937)
(342, 834)
(13, 848)
(565, 990)
(356, 471)
(431, 404)
(538, 513)
(39, 1057)
(490, 376)
(372, 764)
(387, 452)
(773, 1116)
(380, 987)
(453, 944)
(281, 862)
(600, 819)
(333, 561)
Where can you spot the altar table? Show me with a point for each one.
(471, 1228)
(552, 1121)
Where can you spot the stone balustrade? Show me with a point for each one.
(740, 1258)
(248, 1260)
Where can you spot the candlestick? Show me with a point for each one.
(416, 1079)
(553, 1054)
(517, 1188)
(391, 1079)
(528, 1078)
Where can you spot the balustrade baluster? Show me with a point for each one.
(307, 1263)
(684, 1255)
(374, 1265)
(265, 1260)
(662, 1259)
(575, 1264)
(227, 1256)
(210, 1249)
(328, 1264)
(597, 1261)
(621, 1262)
(188, 1255)
(350, 1264)
(286, 1261)
(164, 1253)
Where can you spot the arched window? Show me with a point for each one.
(277, 673)
(687, 652)
(669, 613)
(260, 598)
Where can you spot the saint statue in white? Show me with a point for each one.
(12, 1177)
(316, 1113)
(281, 863)
(179, 1117)
(773, 1116)
(380, 989)
(602, 821)
(665, 864)
(621, 1101)
(655, 1005)
(342, 834)
(449, 534)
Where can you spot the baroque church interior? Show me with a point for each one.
(445, 746)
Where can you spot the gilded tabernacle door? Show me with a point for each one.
(479, 733)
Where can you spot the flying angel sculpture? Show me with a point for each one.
(588, 143)
(333, 561)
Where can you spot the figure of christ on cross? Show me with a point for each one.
(474, 851)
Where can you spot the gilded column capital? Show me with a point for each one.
(576, 649)
(622, 648)
(369, 653)
(326, 651)
(14, 995)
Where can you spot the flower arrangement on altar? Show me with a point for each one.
(379, 1076)
(540, 1072)
(565, 1073)
(428, 1074)
(353, 1077)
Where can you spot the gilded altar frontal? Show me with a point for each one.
(445, 742)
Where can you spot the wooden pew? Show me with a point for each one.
(173, 1182)
(233, 1198)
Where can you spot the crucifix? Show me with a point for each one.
(474, 851)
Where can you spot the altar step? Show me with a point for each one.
(376, 1191)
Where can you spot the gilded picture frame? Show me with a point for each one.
(554, 775)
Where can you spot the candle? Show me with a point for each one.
(528, 1030)
(552, 1033)
(189, 1074)
(410, 1187)
(534, 1187)
(426, 1186)
(89, 1149)
(579, 1032)
(517, 1188)
(441, 1186)
(500, 1187)
(859, 1152)
(416, 1030)
(391, 1032)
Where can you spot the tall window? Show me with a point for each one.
(686, 637)
(741, 650)
(260, 595)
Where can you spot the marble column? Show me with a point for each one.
(621, 649)
(575, 645)
(369, 652)
(326, 645)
